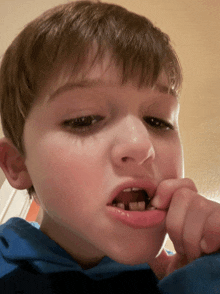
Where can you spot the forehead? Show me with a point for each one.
(101, 74)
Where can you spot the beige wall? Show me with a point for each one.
(2, 176)
(194, 29)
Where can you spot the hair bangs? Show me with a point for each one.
(140, 50)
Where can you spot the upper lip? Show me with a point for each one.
(146, 185)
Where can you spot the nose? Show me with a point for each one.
(133, 144)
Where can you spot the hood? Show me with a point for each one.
(21, 241)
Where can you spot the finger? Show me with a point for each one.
(199, 209)
(211, 234)
(175, 219)
(166, 190)
(160, 264)
(177, 262)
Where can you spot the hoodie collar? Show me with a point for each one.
(21, 241)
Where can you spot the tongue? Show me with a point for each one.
(127, 197)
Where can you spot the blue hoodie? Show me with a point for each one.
(30, 262)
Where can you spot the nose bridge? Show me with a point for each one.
(133, 130)
(133, 142)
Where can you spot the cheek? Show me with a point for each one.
(61, 168)
(171, 160)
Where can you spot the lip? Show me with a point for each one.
(146, 185)
(136, 219)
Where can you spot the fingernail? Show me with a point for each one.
(204, 245)
(156, 201)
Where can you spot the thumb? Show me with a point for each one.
(176, 261)
(165, 264)
(160, 264)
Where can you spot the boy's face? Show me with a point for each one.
(85, 143)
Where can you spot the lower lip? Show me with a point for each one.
(138, 219)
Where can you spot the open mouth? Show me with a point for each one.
(132, 199)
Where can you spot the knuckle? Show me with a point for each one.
(190, 184)
(166, 184)
(193, 199)
(184, 193)
(203, 205)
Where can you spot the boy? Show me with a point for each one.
(89, 107)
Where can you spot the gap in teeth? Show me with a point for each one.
(134, 206)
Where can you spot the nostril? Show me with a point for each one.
(124, 153)
(124, 159)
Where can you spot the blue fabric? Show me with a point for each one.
(35, 224)
(30, 262)
(200, 276)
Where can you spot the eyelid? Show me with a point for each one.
(158, 123)
(76, 126)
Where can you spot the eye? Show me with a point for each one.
(158, 123)
(82, 124)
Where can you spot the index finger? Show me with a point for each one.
(167, 188)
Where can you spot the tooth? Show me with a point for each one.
(133, 206)
(151, 208)
(136, 189)
(127, 190)
(141, 205)
(121, 205)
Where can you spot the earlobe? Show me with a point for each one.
(13, 165)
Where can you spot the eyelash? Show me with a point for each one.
(158, 123)
(85, 123)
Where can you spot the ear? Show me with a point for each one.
(13, 165)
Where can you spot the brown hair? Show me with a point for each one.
(67, 33)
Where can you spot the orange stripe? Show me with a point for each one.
(33, 212)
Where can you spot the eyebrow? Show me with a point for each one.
(90, 83)
(86, 83)
(164, 89)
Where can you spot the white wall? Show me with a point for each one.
(13, 203)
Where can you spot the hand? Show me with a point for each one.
(192, 222)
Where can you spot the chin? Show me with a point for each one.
(138, 256)
(135, 246)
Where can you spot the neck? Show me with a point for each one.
(83, 252)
